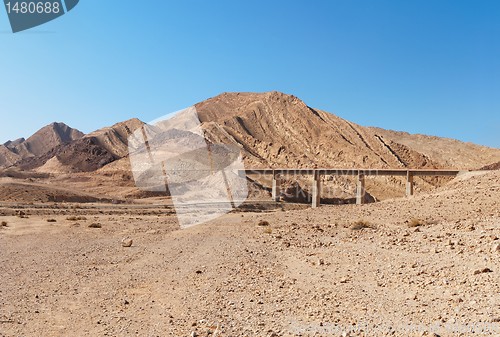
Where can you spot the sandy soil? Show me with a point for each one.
(427, 265)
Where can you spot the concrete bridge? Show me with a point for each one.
(359, 173)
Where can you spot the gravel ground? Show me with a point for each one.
(427, 265)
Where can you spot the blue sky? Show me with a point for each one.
(428, 66)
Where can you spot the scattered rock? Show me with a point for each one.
(127, 242)
(95, 225)
(263, 223)
(426, 333)
(482, 271)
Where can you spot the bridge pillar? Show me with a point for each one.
(409, 184)
(360, 189)
(276, 188)
(316, 189)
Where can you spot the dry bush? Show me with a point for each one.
(416, 223)
(95, 225)
(268, 230)
(361, 224)
(22, 215)
(263, 223)
(51, 220)
(76, 218)
(4, 223)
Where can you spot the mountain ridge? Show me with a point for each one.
(275, 129)
(272, 129)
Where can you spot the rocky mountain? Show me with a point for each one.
(494, 166)
(272, 129)
(7, 156)
(279, 130)
(13, 143)
(86, 154)
(114, 139)
(450, 152)
(46, 139)
(41, 142)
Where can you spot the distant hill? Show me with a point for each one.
(41, 142)
(11, 144)
(46, 139)
(85, 154)
(8, 157)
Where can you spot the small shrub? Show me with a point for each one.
(416, 223)
(268, 230)
(263, 223)
(95, 225)
(361, 224)
(76, 218)
(4, 223)
(51, 220)
(22, 215)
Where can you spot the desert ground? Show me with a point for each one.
(427, 265)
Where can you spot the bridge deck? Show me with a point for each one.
(359, 173)
(355, 172)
